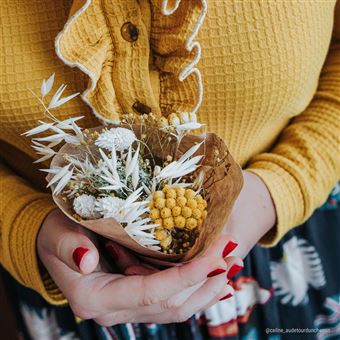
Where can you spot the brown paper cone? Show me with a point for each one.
(222, 184)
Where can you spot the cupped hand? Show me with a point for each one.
(170, 295)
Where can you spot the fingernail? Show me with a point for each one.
(216, 272)
(233, 271)
(229, 248)
(78, 254)
(229, 295)
(112, 250)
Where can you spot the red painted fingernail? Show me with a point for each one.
(112, 250)
(216, 272)
(78, 254)
(229, 295)
(229, 248)
(233, 271)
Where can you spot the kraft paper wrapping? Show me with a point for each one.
(222, 183)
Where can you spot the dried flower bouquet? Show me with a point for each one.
(146, 183)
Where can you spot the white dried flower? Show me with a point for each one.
(174, 120)
(109, 207)
(193, 117)
(84, 206)
(120, 138)
(184, 117)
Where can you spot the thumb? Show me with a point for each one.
(69, 242)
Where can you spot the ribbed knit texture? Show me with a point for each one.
(260, 64)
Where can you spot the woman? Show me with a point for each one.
(271, 85)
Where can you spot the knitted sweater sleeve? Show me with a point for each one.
(22, 211)
(303, 165)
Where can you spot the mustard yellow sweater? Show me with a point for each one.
(263, 75)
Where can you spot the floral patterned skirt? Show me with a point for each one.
(289, 291)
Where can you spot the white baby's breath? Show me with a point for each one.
(84, 205)
(120, 138)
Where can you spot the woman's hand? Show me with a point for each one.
(253, 214)
(171, 295)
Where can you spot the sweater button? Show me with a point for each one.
(141, 108)
(129, 32)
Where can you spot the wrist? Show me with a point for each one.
(253, 214)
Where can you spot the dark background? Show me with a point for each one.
(7, 322)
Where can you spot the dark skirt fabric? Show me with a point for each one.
(290, 291)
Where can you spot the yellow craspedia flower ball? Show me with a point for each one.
(200, 206)
(168, 223)
(159, 194)
(159, 203)
(166, 188)
(181, 201)
(170, 203)
(192, 203)
(196, 213)
(191, 223)
(176, 207)
(176, 211)
(186, 212)
(180, 222)
(180, 191)
(189, 193)
(171, 193)
(161, 234)
(165, 244)
(159, 221)
(165, 212)
(154, 214)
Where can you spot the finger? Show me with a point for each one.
(181, 298)
(139, 291)
(235, 264)
(122, 257)
(67, 241)
(223, 246)
(209, 293)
